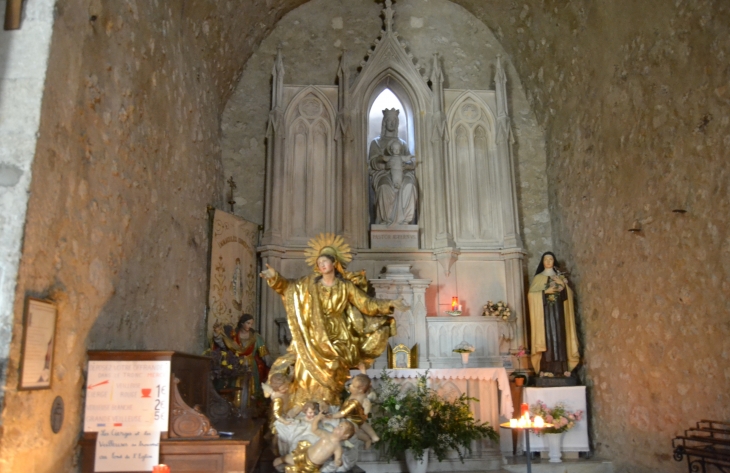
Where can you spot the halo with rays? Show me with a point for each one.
(341, 249)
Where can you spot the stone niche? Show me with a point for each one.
(464, 239)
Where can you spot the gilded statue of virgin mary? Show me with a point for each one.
(334, 324)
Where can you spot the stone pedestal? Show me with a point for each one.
(398, 281)
(555, 382)
(394, 236)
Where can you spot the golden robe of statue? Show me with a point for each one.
(334, 328)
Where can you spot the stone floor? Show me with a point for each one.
(579, 465)
(512, 465)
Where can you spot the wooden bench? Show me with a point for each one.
(708, 444)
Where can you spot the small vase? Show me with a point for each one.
(415, 466)
(465, 359)
(554, 443)
(519, 381)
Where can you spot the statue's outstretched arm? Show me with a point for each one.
(274, 279)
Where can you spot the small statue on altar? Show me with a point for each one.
(240, 351)
(356, 409)
(308, 457)
(553, 334)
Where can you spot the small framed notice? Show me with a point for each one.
(39, 333)
(127, 394)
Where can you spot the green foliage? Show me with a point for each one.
(419, 419)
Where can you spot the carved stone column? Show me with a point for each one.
(271, 305)
(439, 231)
(514, 278)
(274, 156)
(510, 216)
(398, 281)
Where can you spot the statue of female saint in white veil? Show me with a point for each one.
(393, 176)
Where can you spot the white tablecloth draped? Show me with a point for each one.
(574, 398)
(485, 394)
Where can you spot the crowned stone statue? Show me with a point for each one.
(392, 173)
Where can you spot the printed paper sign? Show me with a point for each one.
(127, 449)
(38, 350)
(121, 394)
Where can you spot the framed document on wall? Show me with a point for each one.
(39, 333)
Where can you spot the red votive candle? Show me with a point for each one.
(162, 468)
(524, 409)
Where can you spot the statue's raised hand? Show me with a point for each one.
(268, 273)
(400, 305)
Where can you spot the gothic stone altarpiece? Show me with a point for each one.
(317, 180)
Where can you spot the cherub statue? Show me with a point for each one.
(308, 458)
(277, 389)
(356, 409)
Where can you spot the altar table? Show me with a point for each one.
(489, 385)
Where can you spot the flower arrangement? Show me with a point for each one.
(464, 347)
(562, 419)
(556, 283)
(497, 309)
(419, 419)
(519, 354)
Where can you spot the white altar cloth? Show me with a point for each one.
(485, 377)
(574, 398)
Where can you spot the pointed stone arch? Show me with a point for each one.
(472, 167)
(309, 164)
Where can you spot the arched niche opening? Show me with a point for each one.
(386, 98)
(388, 94)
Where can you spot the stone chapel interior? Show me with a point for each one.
(450, 142)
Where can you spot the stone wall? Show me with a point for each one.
(312, 38)
(23, 59)
(634, 99)
(127, 160)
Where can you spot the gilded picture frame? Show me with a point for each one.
(401, 357)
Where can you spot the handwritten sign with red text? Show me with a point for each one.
(127, 394)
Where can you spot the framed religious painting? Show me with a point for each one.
(39, 336)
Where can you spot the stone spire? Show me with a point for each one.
(500, 84)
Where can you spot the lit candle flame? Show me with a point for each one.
(538, 422)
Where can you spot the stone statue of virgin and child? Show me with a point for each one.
(392, 174)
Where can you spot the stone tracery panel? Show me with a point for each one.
(309, 166)
(474, 198)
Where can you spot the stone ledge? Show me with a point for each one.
(580, 465)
